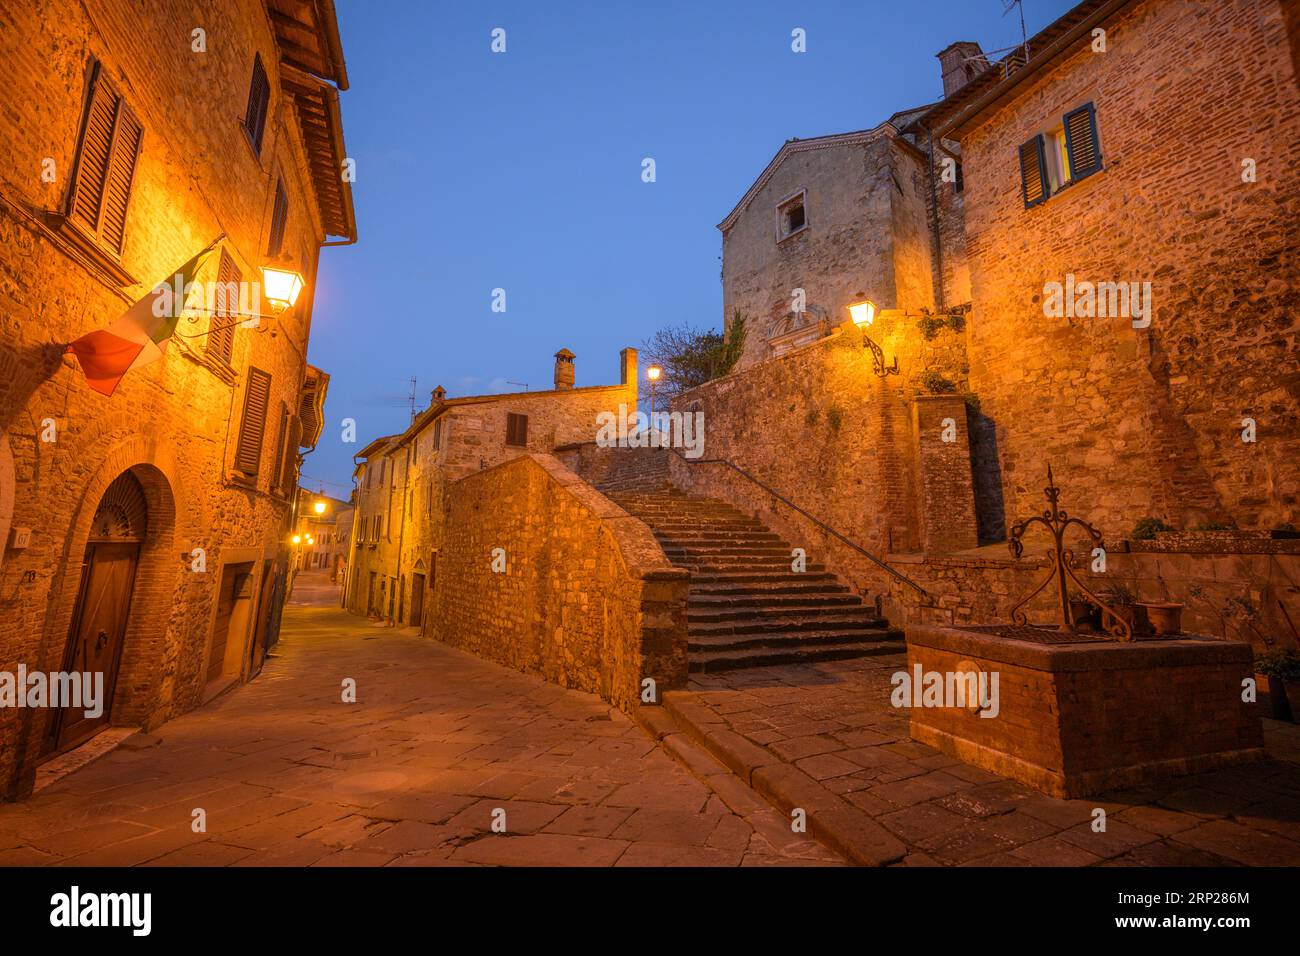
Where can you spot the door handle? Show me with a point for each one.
(101, 639)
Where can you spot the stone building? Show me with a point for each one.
(1138, 156)
(875, 212)
(403, 480)
(144, 534)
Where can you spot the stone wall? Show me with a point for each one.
(1141, 422)
(587, 599)
(175, 422)
(821, 429)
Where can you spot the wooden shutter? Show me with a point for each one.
(1033, 171)
(111, 137)
(516, 430)
(259, 97)
(289, 461)
(280, 435)
(1081, 142)
(221, 337)
(279, 214)
(257, 396)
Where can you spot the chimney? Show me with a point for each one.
(564, 369)
(627, 366)
(437, 396)
(960, 63)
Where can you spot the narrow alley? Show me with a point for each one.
(438, 741)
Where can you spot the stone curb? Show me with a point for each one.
(832, 820)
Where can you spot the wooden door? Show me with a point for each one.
(98, 631)
(417, 599)
(257, 647)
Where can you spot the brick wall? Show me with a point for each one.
(174, 422)
(587, 600)
(1147, 421)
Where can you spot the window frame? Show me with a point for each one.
(801, 199)
(257, 137)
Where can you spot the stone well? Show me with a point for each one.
(1078, 714)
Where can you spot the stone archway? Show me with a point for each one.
(137, 700)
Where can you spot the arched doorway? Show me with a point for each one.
(99, 619)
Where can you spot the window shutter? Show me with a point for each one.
(1081, 142)
(280, 435)
(221, 337)
(117, 189)
(259, 97)
(516, 429)
(288, 466)
(110, 143)
(1033, 172)
(257, 395)
(279, 214)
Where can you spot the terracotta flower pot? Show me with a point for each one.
(1081, 612)
(1166, 617)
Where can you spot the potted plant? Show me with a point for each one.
(1082, 610)
(1124, 602)
(1282, 668)
(1166, 617)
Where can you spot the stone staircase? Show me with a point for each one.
(747, 607)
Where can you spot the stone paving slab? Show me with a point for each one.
(289, 775)
(833, 725)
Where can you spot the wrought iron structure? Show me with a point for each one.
(878, 357)
(1056, 520)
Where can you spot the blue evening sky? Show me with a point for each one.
(522, 171)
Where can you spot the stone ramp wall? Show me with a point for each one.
(587, 599)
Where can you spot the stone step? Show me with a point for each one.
(707, 662)
(733, 642)
(785, 620)
(757, 602)
(815, 572)
(740, 592)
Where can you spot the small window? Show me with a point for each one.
(437, 436)
(959, 184)
(516, 430)
(279, 215)
(110, 143)
(1060, 156)
(259, 97)
(792, 215)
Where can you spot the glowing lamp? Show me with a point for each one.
(297, 539)
(863, 312)
(653, 373)
(281, 287)
(318, 507)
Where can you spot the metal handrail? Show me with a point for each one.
(817, 521)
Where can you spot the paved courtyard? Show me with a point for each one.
(411, 774)
(833, 721)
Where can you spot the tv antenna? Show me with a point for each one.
(1019, 6)
(411, 398)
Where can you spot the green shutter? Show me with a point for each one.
(1033, 172)
(1081, 142)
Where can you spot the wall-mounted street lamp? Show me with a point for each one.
(297, 539)
(318, 506)
(281, 287)
(653, 373)
(863, 312)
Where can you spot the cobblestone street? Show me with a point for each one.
(411, 774)
(833, 722)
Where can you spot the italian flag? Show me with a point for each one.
(140, 335)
